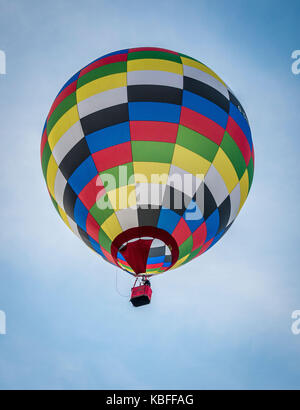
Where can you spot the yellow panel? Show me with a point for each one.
(64, 216)
(202, 67)
(179, 262)
(123, 197)
(111, 227)
(51, 174)
(155, 172)
(244, 187)
(225, 168)
(154, 64)
(190, 162)
(101, 84)
(62, 126)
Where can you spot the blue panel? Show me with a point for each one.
(83, 175)
(96, 246)
(155, 259)
(73, 78)
(193, 216)
(242, 122)
(165, 265)
(217, 238)
(153, 111)
(109, 136)
(80, 214)
(121, 257)
(205, 107)
(168, 220)
(107, 55)
(212, 225)
(125, 51)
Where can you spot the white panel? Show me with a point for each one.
(235, 198)
(67, 142)
(73, 227)
(183, 181)
(200, 75)
(216, 185)
(102, 100)
(127, 218)
(59, 188)
(155, 78)
(150, 194)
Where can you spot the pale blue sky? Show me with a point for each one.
(222, 321)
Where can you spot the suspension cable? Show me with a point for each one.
(116, 283)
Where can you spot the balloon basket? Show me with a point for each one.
(141, 295)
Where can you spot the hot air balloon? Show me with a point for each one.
(148, 158)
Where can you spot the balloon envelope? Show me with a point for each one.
(148, 158)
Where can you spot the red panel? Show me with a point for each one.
(61, 96)
(155, 266)
(253, 158)
(113, 156)
(133, 50)
(92, 227)
(43, 142)
(205, 246)
(108, 255)
(181, 232)
(145, 231)
(91, 192)
(103, 61)
(205, 126)
(136, 254)
(199, 236)
(239, 137)
(153, 131)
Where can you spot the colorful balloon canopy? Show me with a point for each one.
(148, 158)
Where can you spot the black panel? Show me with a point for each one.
(224, 213)
(74, 158)
(69, 201)
(84, 236)
(238, 105)
(158, 251)
(206, 91)
(148, 217)
(104, 118)
(154, 93)
(175, 200)
(209, 203)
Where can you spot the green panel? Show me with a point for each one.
(186, 247)
(197, 143)
(161, 55)
(104, 240)
(192, 255)
(45, 159)
(234, 154)
(113, 68)
(60, 110)
(55, 204)
(250, 172)
(101, 215)
(121, 175)
(191, 58)
(152, 151)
